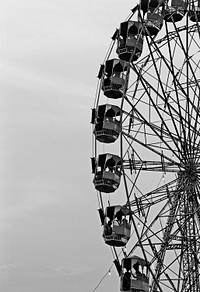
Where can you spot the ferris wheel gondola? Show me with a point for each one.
(146, 126)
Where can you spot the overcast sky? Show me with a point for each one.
(50, 233)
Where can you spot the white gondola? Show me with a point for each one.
(194, 11)
(106, 120)
(117, 228)
(107, 172)
(175, 11)
(130, 41)
(134, 275)
(153, 18)
(114, 76)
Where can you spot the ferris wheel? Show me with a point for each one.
(146, 154)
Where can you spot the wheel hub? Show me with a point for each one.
(189, 176)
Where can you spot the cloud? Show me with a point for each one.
(27, 206)
(32, 270)
(72, 269)
(7, 267)
(24, 271)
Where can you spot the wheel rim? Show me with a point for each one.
(159, 147)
